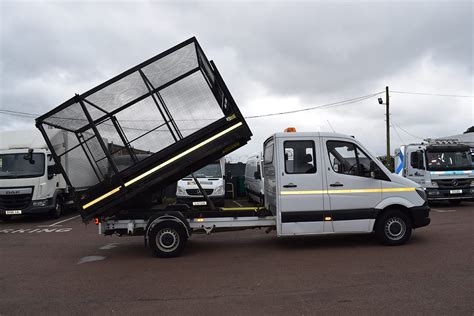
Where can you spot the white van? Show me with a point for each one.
(254, 177)
(211, 178)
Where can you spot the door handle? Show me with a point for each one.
(290, 185)
(337, 184)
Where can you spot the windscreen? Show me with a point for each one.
(449, 160)
(212, 170)
(16, 166)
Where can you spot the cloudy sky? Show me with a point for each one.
(274, 56)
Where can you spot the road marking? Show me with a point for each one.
(90, 259)
(109, 246)
(34, 230)
(442, 211)
(238, 204)
(68, 219)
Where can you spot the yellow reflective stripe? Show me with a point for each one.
(100, 198)
(387, 190)
(184, 153)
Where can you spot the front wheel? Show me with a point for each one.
(167, 240)
(57, 211)
(393, 228)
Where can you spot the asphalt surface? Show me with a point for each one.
(67, 268)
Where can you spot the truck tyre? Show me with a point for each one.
(57, 211)
(393, 228)
(454, 202)
(167, 240)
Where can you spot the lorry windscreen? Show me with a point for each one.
(212, 170)
(16, 166)
(448, 160)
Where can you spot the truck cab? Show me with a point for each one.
(211, 178)
(29, 183)
(320, 183)
(443, 167)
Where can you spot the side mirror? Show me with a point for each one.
(29, 156)
(52, 171)
(376, 172)
(256, 175)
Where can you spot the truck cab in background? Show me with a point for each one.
(29, 181)
(443, 167)
(211, 179)
(254, 177)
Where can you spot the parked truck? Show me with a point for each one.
(442, 166)
(315, 183)
(29, 180)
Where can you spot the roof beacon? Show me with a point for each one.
(290, 130)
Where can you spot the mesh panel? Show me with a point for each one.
(191, 93)
(140, 112)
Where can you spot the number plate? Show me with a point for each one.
(455, 191)
(15, 212)
(200, 203)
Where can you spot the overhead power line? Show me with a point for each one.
(322, 106)
(434, 94)
(317, 107)
(406, 132)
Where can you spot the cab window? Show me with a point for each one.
(299, 157)
(347, 158)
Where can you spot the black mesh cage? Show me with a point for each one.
(145, 116)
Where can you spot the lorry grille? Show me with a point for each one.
(454, 183)
(15, 202)
(197, 192)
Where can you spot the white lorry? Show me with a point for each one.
(211, 179)
(254, 177)
(443, 167)
(315, 184)
(29, 181)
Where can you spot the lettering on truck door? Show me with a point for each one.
(353, 194)
(301, 186)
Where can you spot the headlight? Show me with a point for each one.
(40, 203)
(421, 192)
(219, 190)
(180, 191)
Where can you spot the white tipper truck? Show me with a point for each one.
(29, 181)
(442, 166)
(315, 184)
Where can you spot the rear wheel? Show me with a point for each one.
(167, 240)
(393, 228)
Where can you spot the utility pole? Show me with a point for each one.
(387, 114)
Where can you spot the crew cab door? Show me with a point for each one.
(300, 185)
(353, 193)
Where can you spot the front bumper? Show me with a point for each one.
(434, 194)
(420, 216)
(30, 210)
(189, 200)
